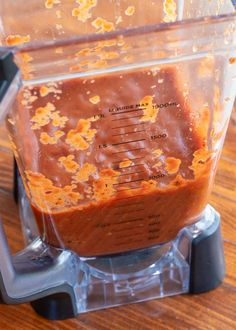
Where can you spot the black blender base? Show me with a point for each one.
(207, 267)
(207, 270)
(55, 307)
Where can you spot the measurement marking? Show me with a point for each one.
(118, 161)
(133, 141)
(130, 211)
(134, 165)
(124, 230)
(119, 152)
(143, 130)
(125, 198)
(128, 236)
(126, 205)
(128, 125)
(118, 113)
(138, 116)
(117, 168)
(128, 189)
(130, 173)
(130, 220)
(117, 184)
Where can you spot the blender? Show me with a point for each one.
(117, 113)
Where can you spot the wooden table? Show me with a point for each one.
(213, 310)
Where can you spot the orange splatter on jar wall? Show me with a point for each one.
(123, 169)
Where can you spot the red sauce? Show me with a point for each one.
(113, 163)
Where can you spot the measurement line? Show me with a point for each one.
(130, 173)
(127, 205)
(133, 165)
(118, 113)
(118, 161)
(132, 141)
(125, 198)
(143, 130)
(118, 168)
(130, 211)
(119, 231)
(128, 189)
(114, 167)
(137, 180)
(119, 152)
(125, 230)
(130, 220)
(128, 125)
(128, 236)
(138, 116)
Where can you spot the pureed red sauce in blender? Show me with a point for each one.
(113, 163)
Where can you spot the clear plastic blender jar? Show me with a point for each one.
(117, 128)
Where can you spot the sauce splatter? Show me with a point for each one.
(94, 99)
(125, 163)
(103, 188)
(83, 174)
(169, 8)
(80, 137)
(45, 194)
(45, 138)
(232, 60)
(149, 111)
(102, 25)
(83, 12)
(130, 11)
(172, 165)
(157, 152)
(42, 116)
(50, 88)
(68, 163)
(13, 40)
(50, 3)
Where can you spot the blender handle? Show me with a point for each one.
(39, 270)
(36, 272)
(10, 81)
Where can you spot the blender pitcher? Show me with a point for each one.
(117, 113)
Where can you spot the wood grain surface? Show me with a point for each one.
(212, 310)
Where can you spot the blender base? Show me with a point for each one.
(192, 263)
